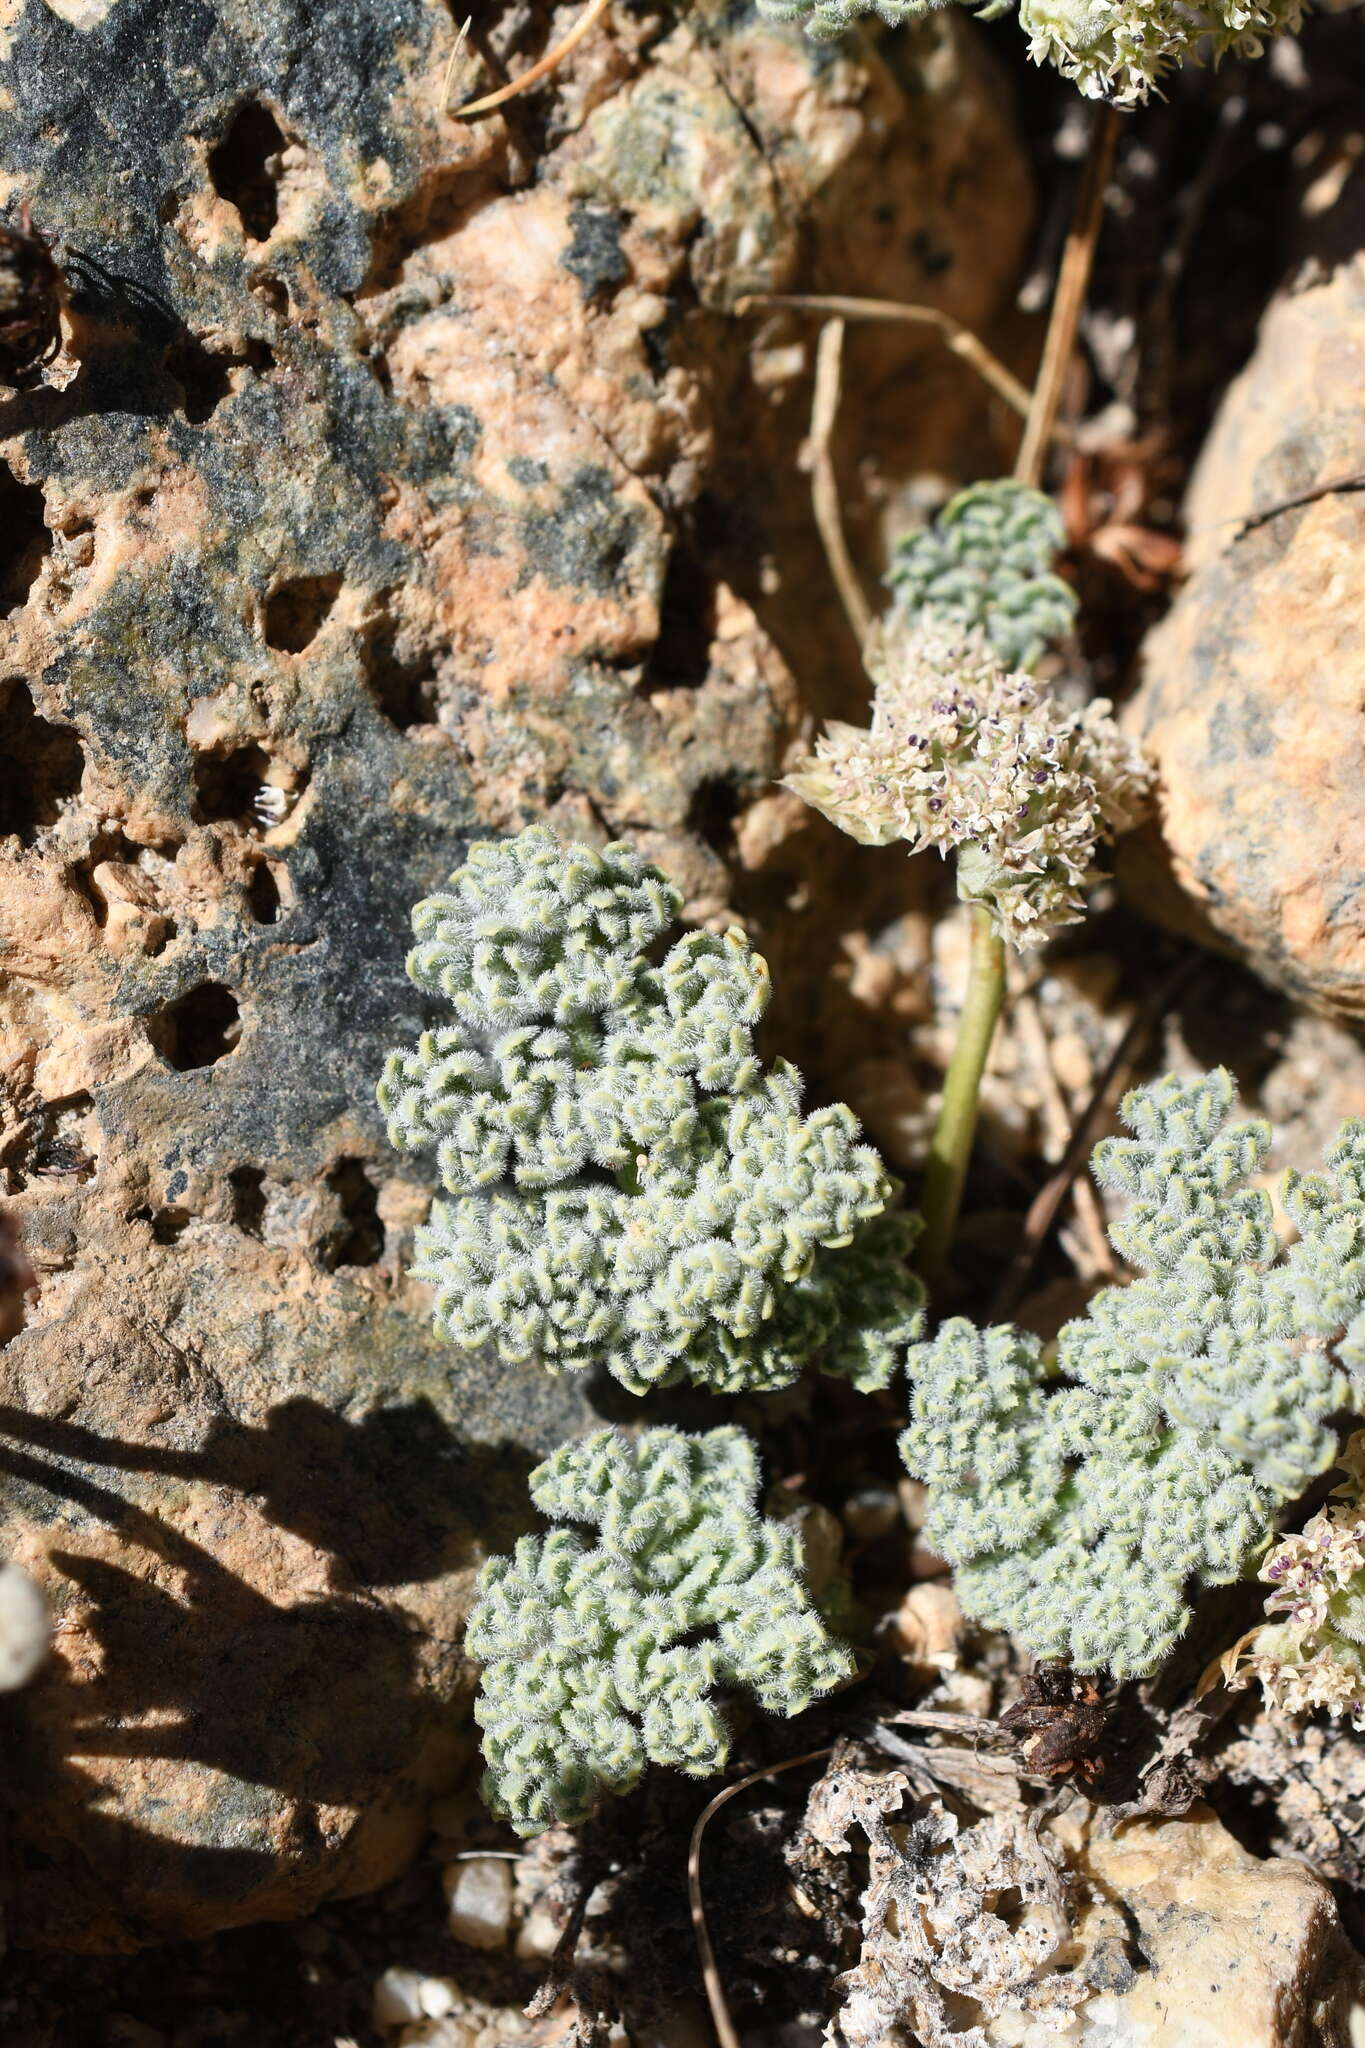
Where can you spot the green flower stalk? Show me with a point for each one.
(963, 755)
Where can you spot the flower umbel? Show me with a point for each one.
(1310, 1651)
(967, 756)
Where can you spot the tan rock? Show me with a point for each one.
(1251, 700)
(1234, 1952)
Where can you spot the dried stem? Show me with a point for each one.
(825, 484)
(1060, 1117)
(951, 1146)
(551, 61)
(1046, 1203)
(715, 1990)
(1073, 278)
(959, 339)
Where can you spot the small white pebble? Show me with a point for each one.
(438, 1996)
(479, 1898)
(397, 1998)
(871, 1514)
(437, 2033)
(538, 1935)
(25, 1627)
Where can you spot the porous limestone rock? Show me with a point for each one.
(400, 479)
(1251, 700)
(1231, 1951)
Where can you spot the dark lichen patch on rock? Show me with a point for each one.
(586, 537)
(595, 255)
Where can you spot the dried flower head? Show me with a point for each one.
(1310, 1651)
(965, 756)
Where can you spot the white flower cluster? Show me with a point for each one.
(594, 1659)
(963, 755)
(1079, 1504)
(626, 1183)
(987, 562)
(1115, 50)
(1310, 1653)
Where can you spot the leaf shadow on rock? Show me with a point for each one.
(250, 1715)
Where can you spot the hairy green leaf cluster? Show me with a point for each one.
(988, 561)
(1080, 1504)
(600, 1657)
(1114, 50)
(966, 757)
(626, 1184)
(825, 20)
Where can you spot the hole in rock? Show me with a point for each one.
(358, 1237)
(687, 626)
(25, 541)
(205, 378)
(63, 1140)
(246, 1185)
(295, 611)
(711, 812)
(226, 785)
(263, 894)
(401, 675)
(245, 168)
(200, 1027)
(40, 764)
(273, 293)
(168, 1224)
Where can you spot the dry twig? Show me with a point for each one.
(824, 484)
(551, 61)
(1043, 1209)
(1072, 280)
(958, 338)
(1059, 1117)
(715, 1990)
(1354, 482)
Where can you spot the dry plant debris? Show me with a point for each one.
(939, 1941)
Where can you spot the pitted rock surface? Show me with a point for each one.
(401, 479)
